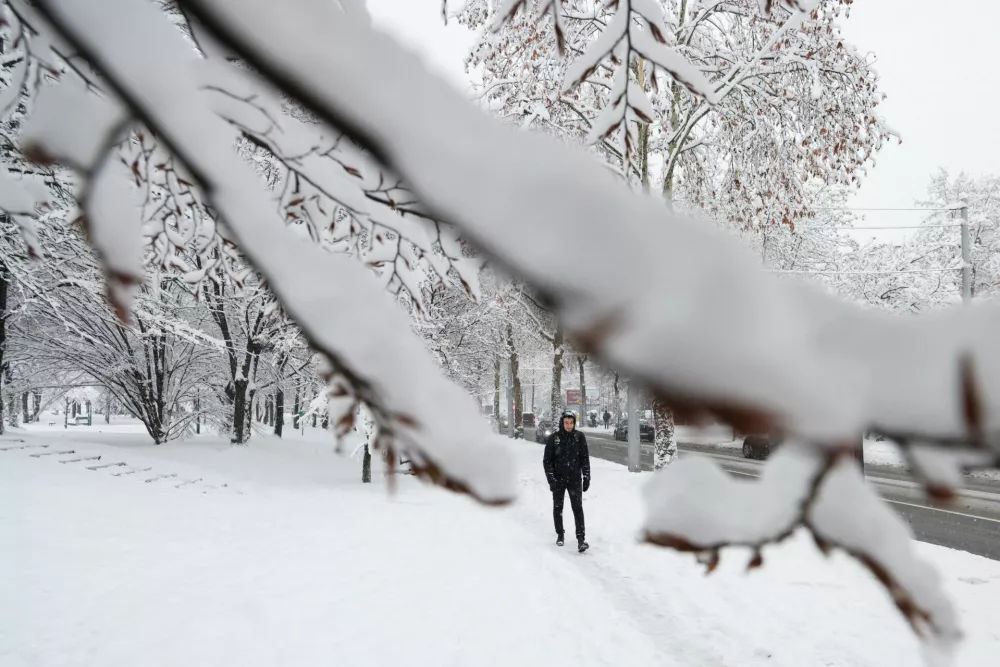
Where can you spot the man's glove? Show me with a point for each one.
(586, 484)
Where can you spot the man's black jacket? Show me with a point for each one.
(566, 460)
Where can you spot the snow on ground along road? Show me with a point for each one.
(295, 562)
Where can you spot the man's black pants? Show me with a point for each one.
(575, 501)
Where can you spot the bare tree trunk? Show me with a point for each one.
(279, 411)
(296, 408)
(581, 361)
(556, 397)
(66, 415)
(515, 373)
(279, 397)
(326, 419)
(239, 396)
(496, 393)
(107, 407)
(664, 444)
(25, 414)
(618, 400)
(197, 414)
(36, 404)
(4, 364)
(366, 466)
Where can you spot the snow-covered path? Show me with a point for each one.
(295, 562)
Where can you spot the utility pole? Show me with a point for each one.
(632, 400)
(966, 252)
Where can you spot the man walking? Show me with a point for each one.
(607, 419)
(567, 468)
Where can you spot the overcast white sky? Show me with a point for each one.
(937, 65)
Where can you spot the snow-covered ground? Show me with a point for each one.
(275, 553)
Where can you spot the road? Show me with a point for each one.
(972, 524)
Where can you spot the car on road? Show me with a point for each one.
(646, 431)
(543, 431)
(759, 446)
(528, 419)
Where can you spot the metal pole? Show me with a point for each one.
(634, 463)
(966, 263)
(510, 399)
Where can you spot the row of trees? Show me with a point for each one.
(207, 342)
(220, 359)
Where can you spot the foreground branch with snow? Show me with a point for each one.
(656, 302)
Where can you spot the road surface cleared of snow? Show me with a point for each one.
(206, 554)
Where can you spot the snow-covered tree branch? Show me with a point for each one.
(655, 302)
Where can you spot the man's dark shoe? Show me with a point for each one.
(583, 546)
(559, 541)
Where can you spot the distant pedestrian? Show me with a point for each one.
(567, 468)
(607, 419)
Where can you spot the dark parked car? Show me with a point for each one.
(646, 431)
(528, 420)
(759, 446)
(543, 431)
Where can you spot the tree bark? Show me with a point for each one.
(556, 397)
(581, 361)
(618, 400)
(4, 364)
(496, 393)
(296, 407)
(65, 415)
(366, 466)
(197, 414)
(515, 373)
(107, 407)
(36, 407)
(664, 443)
(240, 431)
(25, 414)
(279, 411)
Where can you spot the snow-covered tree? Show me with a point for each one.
(743, 109)
(940, 237)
